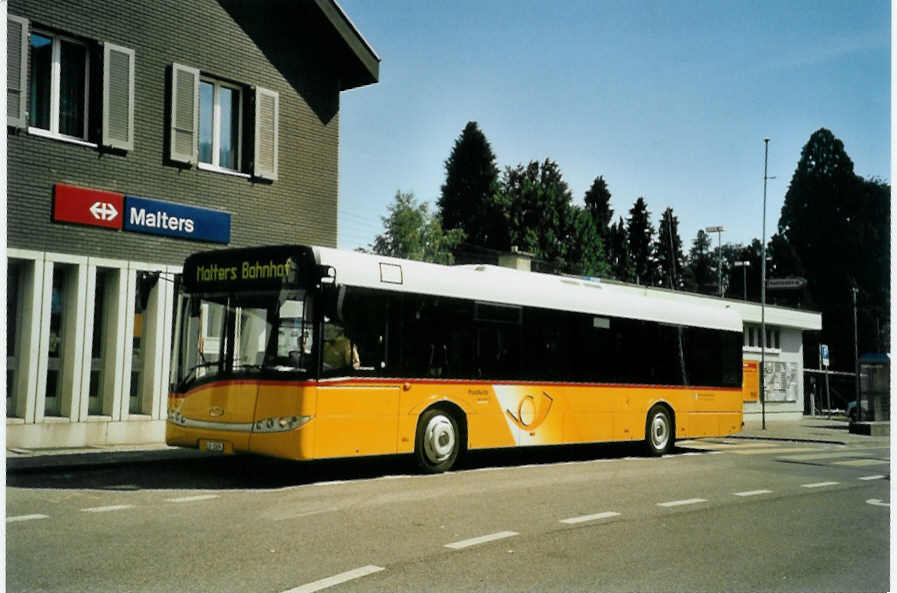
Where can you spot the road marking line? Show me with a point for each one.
(753, 492)
(26, 518)
(481, 540)
(595, 517)
(878, 503)
(117, 507)
(861, 462)
(193, 498)
(818, 484)
(875, 477)
(771, 451)
(337, 579)
(816, 456)
(676, 503)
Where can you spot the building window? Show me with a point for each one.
(212, 121)
(220, 109)
(59, 85)
(70, 89)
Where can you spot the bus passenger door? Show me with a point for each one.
(356, 420)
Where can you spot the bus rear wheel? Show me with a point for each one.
(437, 443)
(659, 434)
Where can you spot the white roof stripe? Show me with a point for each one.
(513, 287)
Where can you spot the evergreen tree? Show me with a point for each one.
(670, 259)
(597, 201)
(585, 253)
(700, 265)
(640, 234)
(832, 231)
(467, 201)
(618, 257)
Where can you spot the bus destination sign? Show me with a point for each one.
(244, 268)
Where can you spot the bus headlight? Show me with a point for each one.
(280, 424)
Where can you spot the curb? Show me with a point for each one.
(95, 459)
(787, 439)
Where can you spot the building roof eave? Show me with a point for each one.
(366, 69)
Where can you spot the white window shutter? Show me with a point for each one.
(118, 97)
(266, 117)
(16, 67)
(184, 113)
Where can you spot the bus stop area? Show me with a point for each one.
(818, 429)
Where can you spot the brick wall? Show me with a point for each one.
(285, 49)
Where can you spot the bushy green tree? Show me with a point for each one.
(538, 209)
(410, 231)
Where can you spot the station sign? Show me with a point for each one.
(155, 217)
(117, 211)
(87, 206)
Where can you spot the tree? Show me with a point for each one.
(597, 201)
(668, 248)
(585, 252)
(411, 232)
(833, 231)
(700, 266)
(467, 201)
(640, 234)
(539, 214)
(618, 257)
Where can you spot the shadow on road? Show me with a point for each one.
(253, 472)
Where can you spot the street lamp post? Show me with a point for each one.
(744, 265)
(719, 247)
(763, 292)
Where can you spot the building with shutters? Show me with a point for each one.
(138, 133)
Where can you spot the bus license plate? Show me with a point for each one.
(214, 446)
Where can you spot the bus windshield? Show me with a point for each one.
(223, 335)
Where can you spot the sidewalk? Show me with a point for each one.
(817, 429)
(820, 429)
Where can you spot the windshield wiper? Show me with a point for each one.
(192, 372)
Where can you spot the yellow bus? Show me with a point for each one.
(306, 353)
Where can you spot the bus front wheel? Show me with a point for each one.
(659, 434)
(437, 443)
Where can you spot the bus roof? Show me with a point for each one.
(496, 284)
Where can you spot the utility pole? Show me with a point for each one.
(763, 292)
(856, 355)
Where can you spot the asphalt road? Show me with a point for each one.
(715, 516)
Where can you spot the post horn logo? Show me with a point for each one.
(215, 411)
(531, 413)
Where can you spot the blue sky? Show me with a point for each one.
(666, 100)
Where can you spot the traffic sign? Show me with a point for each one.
(87, 206)
(786, 283)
